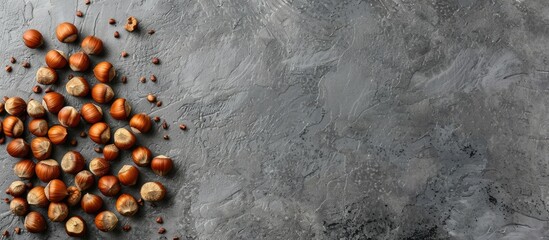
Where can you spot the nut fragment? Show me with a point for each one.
(116, 34)
(151, 98)
(79, 13)
(155, 60)
(131, 24)
(37, 89)
(112, 21)
(151, 31)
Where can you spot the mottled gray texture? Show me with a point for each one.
(319, 119)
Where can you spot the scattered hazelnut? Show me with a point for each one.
(92, 45)
(57, 212)
(57, 134)
(84, 180)
(79, 62)
(120, 109)
(110, 152)
(140, 123)
(41, 148)
(74, 196)
(13, 126)
(37, 89)
(131, 24)
(47, 170)
(37, 197)
(126, 205)
(109, 185)
(56, 59)
(66, 32)
(24, 169)
(91, 113)
(68, 117)
(17, 188)
(18, 148)
(153, 191)
(99, 167)
(56, 190)
(124, 139)
(53, 102)
(72, 162)
(35, 222)
(100, 133)
(141, 156)
(161, 165)
(128, 175)
(102, 93)
(91, 203)
(106, 221)
(78, 87)
(19, 206)
(33, 38)
(104, 72)
(75, 227)
(15, 106)
(35, 109)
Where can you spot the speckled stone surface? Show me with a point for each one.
(325, 119)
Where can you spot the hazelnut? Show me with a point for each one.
(53, 102)
(19, 206)
(102, 93)
(106, 221)
(104, 72)
(56, 190)
(151, 98)
(73, 162)
(99, 167)
(92, 45)
(41, 148)
(140, 123)
(131, 24)
(91, 113)
(78, 87)
(74, 196)
(56, 59)
(120, 109)
(161, 165)
(37, 197)
(35, 109)
(100, 133)
(66, 32)
(35, 222)
(153, 191)
(33, 38)
(141, 156)
(124, 139)
(126, 205)
(110, 152)
(57, 134)
(79, 61)
(75, 227)
(24, 169)
(128, 175)
(68, 116)
(46, 76)
(84, 180)
(15, 106)
(47, 170)
(18, 148)
(57, 212)
(17, 188)
(108, 185)
(12, 126)
(91, 203)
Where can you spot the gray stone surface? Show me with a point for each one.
(380, 119)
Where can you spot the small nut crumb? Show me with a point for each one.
(37, 89)
(12, 60)
(161, 230)
(182, 126)
(17, 230)
(98, 149)
(29, 185)
(159, 220)
(6, 200)
(175, 238)
(87, 2)
(124, 54)
(131, 24)
(112, 21)
(5, 98)
(127, 228)
(142, 79)
(124, 79)
(25, 64)
(83, 134)
(8, 68)
(70, 76)
(151, 98)
(159, 103)
(74, 142)
(155, 60)
(2, 140)
(79, 13)
(116, 34)
(49, 89)
(153, 78)
(166, 137)
(164, 124)
(6, 233)
(140, 201)
(156, 119)
(151, 31)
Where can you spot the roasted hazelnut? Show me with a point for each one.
(33, 38)
(141, 156)
(106, 221)
(73, 162)
(41, 148)
(161, 165)
(79, 62)
(17, 188)
(102, 93)
(15, 106)
(124, 139)
(78, 87)
(120, 109)
(140, 123)
(46, 76)
(18, 148)
(104, 72)
(13, 126)
(131, 24)
(128, 175)
(74, 196)
(99, 167)
(57, 134)
(109, 185)
(19, 206)
(66, 32)
(24, 169)
(100, 133)
(153, 191)
(37, 197)
(76, 227)
(53, 102)
(126, 205)
(56, 59)
(56, 190)
(35, 222)
(91, 113)
(47, 170)
(68, 116)
(91, 203)
(92, 45)
(110, 152)
(58, 211)
(84, 180)
(35, 109)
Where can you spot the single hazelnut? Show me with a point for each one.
(78, 87)
(75, 227)
(57, 212)
(84, 180)
(56, 190)
(66, 32)
(24, 169)
(35, 109)
(47, 170)
(53, 102)
(18, 148)
(92, 45)
(153, 191)
(46, 76)
(57, 134)
(120, 109)
(73, 162)
(91, 203)
(56, 59)
(102, 93)
(126, 205)
(35, 222)
(33, 38)
(109, 185)
(106, 221)
(140, 123)
(37, 197)
(128, 175)
(79, 61)
(15, 106)
(161, 165)
(41, 148)
(13, 126)
(131, 24)
(110, 152)
(19, 206)
(124, 139)
(68, 116)
(91, 113)
(17, 188)
(104, 72)
(74, 196)
(100, 133)
(142, 156)
(99, 167)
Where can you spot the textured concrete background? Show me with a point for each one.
(381, 119)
